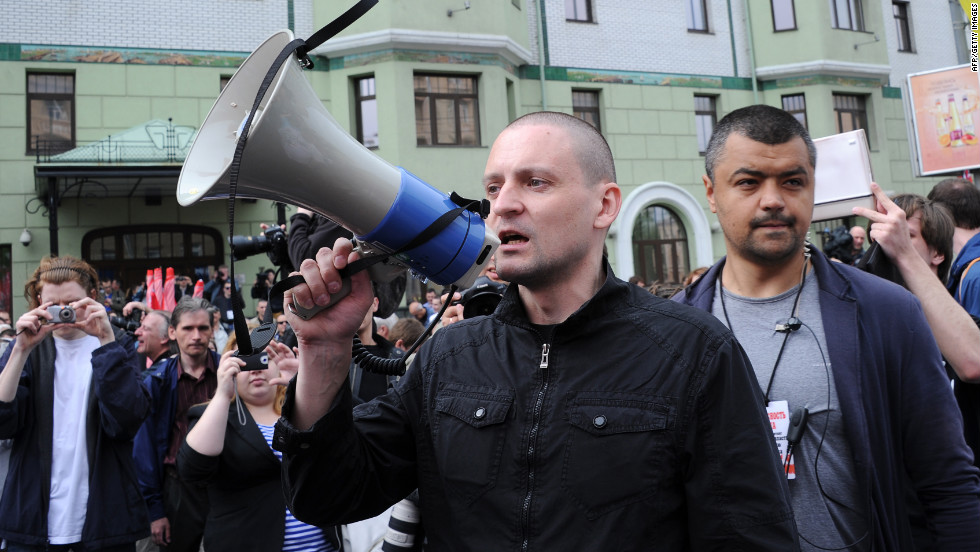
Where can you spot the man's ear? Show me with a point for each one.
(400, 344)
(936, 258)
(171, 333)
(709, 192)
(611, 202)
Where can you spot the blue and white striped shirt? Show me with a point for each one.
(299, 536)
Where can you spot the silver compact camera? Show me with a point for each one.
(62, 315)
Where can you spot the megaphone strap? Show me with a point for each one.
(478, 206)
(438, 225)
(301, 47)
(391, 367)
(332, 28)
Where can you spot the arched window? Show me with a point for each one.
(660, 246)
(126, 252)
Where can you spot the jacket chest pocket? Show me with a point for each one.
(468, 440)
(618, 450)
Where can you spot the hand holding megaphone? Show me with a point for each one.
(325, 288)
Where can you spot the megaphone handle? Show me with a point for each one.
(306, 314)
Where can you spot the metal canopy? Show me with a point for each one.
(143, 161)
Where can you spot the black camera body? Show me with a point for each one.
(837, 244)
(258, 361)
(482, 297)
(62, 315)
(131, 323)
(272, 242)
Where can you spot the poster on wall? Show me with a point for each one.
(945, 116)
(6, 285)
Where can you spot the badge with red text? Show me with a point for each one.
(779, 422)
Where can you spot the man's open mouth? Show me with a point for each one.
(512, 238)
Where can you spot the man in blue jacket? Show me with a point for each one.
(850, 373)
(962, 199)
(177, 508)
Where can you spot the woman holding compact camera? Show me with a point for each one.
(229, 446)
(71, 400)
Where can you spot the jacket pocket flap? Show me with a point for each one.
(475, 411)
(612, 417)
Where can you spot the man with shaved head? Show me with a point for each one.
(583, 414)
(846, 357)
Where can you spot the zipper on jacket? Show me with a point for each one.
(532, 440)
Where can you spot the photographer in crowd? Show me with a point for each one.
(479, 299)
(153, 336)
(71, 400)
(309, 231)
(152, 333)
(228, 448)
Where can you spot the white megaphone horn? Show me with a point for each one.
(297, 153)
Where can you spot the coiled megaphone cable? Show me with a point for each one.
(395, 366)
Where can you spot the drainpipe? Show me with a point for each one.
(544, 99)
(748, 28)
(731, 35)
(958, 13)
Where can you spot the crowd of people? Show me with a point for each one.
(773, 401)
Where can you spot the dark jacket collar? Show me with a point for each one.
(610, 296)
(830, 278)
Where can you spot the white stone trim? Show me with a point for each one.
(824, 67)
(500, 45)
(670, 195)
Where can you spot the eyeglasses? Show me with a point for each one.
(227, 287)
(281, 323)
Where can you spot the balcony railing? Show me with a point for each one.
(155, 142)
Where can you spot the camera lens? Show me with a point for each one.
(481, 304)
(66, 315)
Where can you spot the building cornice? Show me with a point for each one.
(824, 67)
(500, 45)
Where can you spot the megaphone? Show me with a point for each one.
(297, 153)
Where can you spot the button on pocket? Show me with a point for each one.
(618, 449)
(474, 422)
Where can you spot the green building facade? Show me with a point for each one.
(427, 86)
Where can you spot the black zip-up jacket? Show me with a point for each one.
(637, 425)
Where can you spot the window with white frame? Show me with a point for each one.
(705, 117)
(847, 14)
(697, 16)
